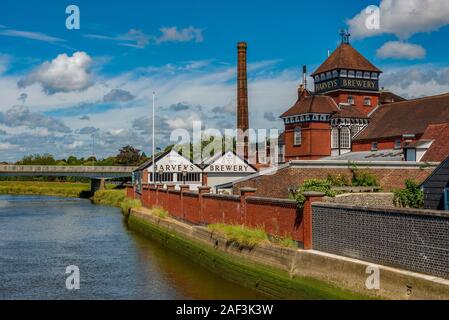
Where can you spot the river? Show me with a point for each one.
(41, 236)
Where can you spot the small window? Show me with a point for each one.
(317, 78)
(359, 74)
(287, 121)
(328, 75)
(398, 144)
(343, 73)
(351, 100)
(335, 74)
(374, 75)
(334, 138)
(323, 77)
(374, 146)
(367, 75)
(367, 101)
(298, 137)
(351, 74)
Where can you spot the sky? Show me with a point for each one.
(59, 86)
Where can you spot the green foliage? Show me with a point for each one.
(286, 242)
(128, 204)
(317, 185)
(70, 190)
(129, 156)
(410, 197)
(37, 159)
(339, 180)
(240, 235)
(160, 212)
(112, 198)
(363, 178)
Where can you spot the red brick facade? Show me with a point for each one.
(315, 144)
(277, 217)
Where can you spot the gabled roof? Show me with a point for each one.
(439, 150)
(407, 117)
(346, 57)
(349, 112)
(389, 97)
(149, 162)
(312, 104)
(215, 158)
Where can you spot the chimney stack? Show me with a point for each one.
(242, 88)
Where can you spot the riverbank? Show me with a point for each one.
(58, 189)
(260, 268)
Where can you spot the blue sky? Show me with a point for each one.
(57, 84)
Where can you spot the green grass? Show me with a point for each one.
(160, 212)
(241, 235)
(116, 198)
(60, 189)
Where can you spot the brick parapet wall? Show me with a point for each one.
(415, 240)
(278, 217)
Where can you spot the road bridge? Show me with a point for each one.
(97, 174)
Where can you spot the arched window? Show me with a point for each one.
(297, 137)
(345, 138)
(334, 138)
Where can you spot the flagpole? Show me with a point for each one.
(154, 148)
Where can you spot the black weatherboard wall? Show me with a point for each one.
(434, 187)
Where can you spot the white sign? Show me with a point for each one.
(229, 163)
(174, 162)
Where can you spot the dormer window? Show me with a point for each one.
(367, 101)
(343, 73)
(351, 100)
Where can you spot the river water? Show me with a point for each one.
(41, 236)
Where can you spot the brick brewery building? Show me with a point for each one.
(348, 114)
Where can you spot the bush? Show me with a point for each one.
(339, 180)
(410, 197)
(241, 235)
(160, 212)
(112, 198)
(362, 178)
(128, 204)
(317, 185)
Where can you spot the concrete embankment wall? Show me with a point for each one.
(416, 240)
(285, 273)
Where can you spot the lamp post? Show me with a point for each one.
(153, 146)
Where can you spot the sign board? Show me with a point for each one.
(228, 163)
(173, 162)
(347, 84)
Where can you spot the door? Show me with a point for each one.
(446, 199)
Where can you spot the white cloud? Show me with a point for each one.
(172, 34)
(75, 145)
(133, 38)
(403, 18)
(62, 74)
(6, 146)
(401, 50)
(30, 35)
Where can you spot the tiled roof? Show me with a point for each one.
(439, 150)
(389, 97)
(381, 155)
(407, 117)
(349, 112)
(346, 57)
(312, 104)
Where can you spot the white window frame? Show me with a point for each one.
(297, 136)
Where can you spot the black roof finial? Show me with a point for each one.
(344, 36)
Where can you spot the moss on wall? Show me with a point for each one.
(270, 281)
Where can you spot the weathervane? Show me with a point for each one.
(344, 36)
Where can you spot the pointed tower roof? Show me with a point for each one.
(346, 57)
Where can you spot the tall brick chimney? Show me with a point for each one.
(242, 88)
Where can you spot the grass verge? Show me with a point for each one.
(59, 189)
(116, 198)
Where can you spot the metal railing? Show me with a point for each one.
(64, 169)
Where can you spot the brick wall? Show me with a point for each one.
(278, 217)
(276, 185)
(415, 240)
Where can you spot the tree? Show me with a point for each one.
(129, 156)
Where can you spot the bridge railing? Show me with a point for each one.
(65, 169)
